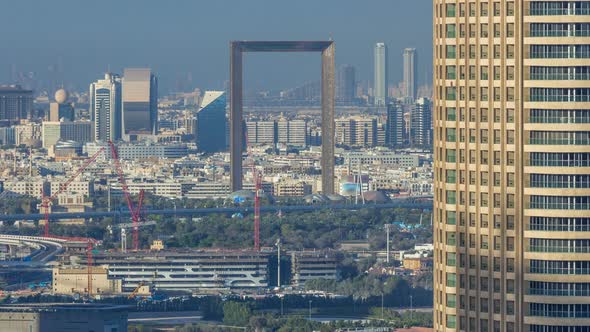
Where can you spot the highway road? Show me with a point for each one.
(45, 249)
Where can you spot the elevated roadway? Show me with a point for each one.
(45, 249)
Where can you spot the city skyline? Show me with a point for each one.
(199, 157)
(186, 54)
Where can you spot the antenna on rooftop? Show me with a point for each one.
(31, 161)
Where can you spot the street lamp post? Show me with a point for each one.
(387, 229)
(411, 307)
(174, 212)
(382, 311)
(279, 263)
(382, 300)
(309, 309)
(282, 299)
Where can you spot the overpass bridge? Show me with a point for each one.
(411, 203)
(46, 248)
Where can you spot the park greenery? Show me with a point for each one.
(361, 292)
(320, 229)
(20, 205)
(369, 288)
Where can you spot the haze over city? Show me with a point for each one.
(278, 166)
(79, 40)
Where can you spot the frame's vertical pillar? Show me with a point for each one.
(235, 116)
(328, 97)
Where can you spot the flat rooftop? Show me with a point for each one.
(13, 88)
(196, 253)
(55, 307)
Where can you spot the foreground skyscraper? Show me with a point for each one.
(410, 71)
(140, 103)
(512, 166)
(380, 83)
(105, 108)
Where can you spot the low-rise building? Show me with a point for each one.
(186, 270)
(77, 131)
(43, 317)
(292, 188)
(309, 265)
(69, 281)
(381, 158)
(417, 263)
(164, 188)
(83, 187)
(139, 151)
(28, 134)
(34, 187)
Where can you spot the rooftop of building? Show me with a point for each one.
(60, 307)
(415, 329)
(13, 88)
(79, 270)
(191, 253)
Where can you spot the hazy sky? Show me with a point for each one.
(178, 37)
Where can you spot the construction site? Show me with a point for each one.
(80, 267)
(83, 267)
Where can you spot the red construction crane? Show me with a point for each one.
(257, 179)
(135, 214)
(45, 201)
(257, 194)
(89, 266)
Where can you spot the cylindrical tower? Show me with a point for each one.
(512, 165)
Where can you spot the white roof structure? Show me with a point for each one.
(209, 97)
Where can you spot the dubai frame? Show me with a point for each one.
(237, 48)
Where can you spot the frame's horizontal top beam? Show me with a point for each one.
(281, 46)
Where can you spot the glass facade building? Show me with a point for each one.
(140, 103)
(212, 122)
(105, 108)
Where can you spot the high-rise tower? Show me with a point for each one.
(410, 71)
(16, 103)
(421, 124)
(140, 103)
(346, 84)
(105, 108)
(211, 122)
(380, 84)
(396, 126)
(512, 165)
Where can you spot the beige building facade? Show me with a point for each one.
(512, 165)
(70, 281)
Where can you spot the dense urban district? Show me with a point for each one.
(118, 199)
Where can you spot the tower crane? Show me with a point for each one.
(125, 226)
(135, 213)
(257, 179)
(45, 201)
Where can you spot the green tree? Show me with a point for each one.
(212, 308)
(236, 313)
